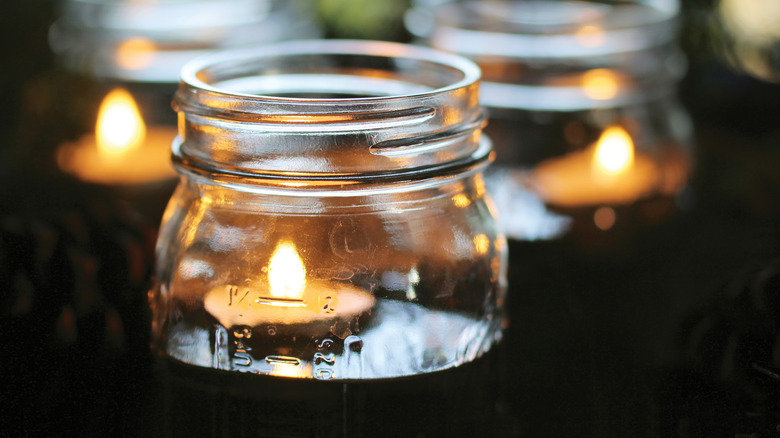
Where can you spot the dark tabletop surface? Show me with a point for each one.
(673, 333)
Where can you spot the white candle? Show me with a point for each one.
(122, 151)
(287, 298)
(608, 172)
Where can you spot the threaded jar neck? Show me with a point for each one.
(329, 110)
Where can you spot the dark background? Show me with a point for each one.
(675, 335)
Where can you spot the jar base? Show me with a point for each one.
(462, 401)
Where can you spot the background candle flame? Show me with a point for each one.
(119, 125)
(614, 152)
(286, 272)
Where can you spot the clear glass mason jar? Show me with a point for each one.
(135, 49)
(558, 78)
(331, 221)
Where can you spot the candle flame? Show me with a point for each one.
(614, 152)
(286, 272)
(119, 125)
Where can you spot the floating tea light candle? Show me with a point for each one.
(607, 172)
(287, 298)
(555, 75)
(122, 151)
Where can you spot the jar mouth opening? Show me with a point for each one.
(330, 71)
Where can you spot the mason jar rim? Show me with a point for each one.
(192, 73)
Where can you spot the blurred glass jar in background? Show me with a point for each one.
(587, 128)
(150, 41)
(125, 58)
(330, 225)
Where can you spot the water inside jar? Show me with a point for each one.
(396, 339)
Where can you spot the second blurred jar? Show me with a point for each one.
(583, 112)
(150, 41)
(124, 56)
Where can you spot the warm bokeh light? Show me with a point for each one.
(754, 20)
(600, 84)
(120, 127)
(590, 36)
(604, 218)
(135, 53)
(479, 186)
(752, 25)
(288, 366)
(481, 244)
(461, 200)
(614, 152)
(286, 273)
